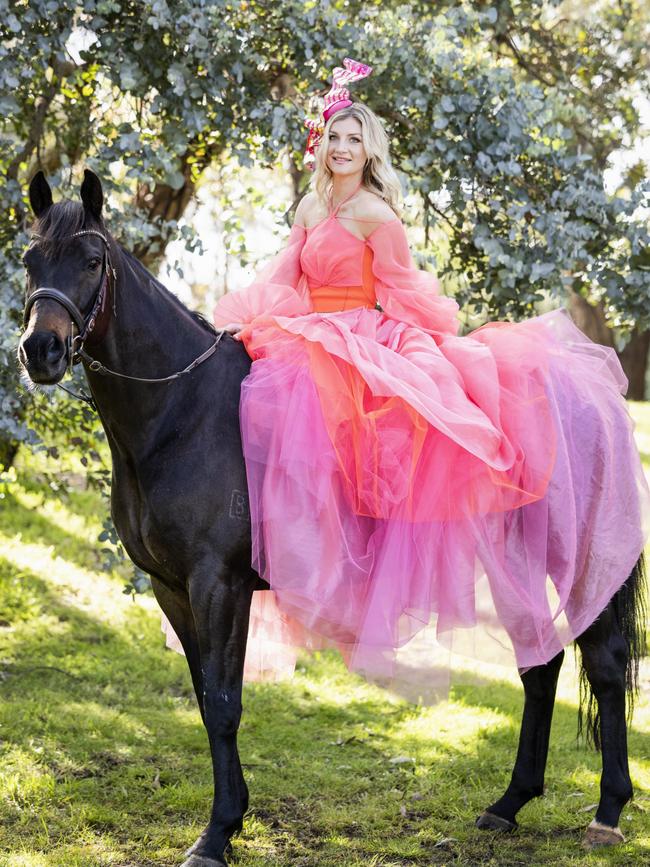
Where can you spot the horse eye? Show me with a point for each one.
(94, 264)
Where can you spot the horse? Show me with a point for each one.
(166, 386)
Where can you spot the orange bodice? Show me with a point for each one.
(329, 299)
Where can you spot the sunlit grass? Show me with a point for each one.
(103, 759)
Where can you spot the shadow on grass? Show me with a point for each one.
(33, 528)
(106, 715)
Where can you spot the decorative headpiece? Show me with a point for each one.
(337, 99)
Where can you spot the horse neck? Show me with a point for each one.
(150, 335)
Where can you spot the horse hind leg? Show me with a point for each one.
(527, 782)
(611, 649)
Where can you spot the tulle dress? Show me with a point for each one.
(402, 476)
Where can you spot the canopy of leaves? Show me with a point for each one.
(502, 115)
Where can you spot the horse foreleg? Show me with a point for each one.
(527, 780)
(176, 607)
(604, 657)
(221, 605)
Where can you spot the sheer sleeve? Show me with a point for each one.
(403, 291)
(279, 289)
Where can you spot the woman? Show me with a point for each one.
(400, 474)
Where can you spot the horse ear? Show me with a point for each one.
(91, 194)
(40, 194)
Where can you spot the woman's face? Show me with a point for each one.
(346, 154)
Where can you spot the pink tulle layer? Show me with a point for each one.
(398, 480)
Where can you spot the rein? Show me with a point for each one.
(86, 324)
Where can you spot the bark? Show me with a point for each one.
(166, 203)
(8, 451)
(634, 359)
(162, 203)
(590, 319)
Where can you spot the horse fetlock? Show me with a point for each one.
(522, 793)
(212, 847)
(609, 809)
(195, 845)
(599, 834)
(513, 800)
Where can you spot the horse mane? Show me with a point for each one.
(65, 218)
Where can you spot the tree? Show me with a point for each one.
(601, 74)
(475, 96)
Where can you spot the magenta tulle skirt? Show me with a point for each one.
(486, 486)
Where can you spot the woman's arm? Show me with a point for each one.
(403, 291)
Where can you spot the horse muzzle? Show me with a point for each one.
(44, 356)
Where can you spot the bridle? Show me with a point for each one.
(87, 326)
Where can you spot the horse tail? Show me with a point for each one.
(629, 608)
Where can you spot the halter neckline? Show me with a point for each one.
(334, 211)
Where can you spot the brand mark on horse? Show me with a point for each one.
(239, 510)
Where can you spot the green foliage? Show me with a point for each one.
(501, 114)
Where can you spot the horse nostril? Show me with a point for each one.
(43, 356)
(54, 350)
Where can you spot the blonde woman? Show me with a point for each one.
(400, 474)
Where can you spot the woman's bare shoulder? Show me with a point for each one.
(373, 209)
(308, 211)
(368, 211)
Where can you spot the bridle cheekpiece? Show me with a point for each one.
(86, 325)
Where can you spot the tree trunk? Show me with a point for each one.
(590, 319)
(166, 203)
(8, 452)
(634, 359)
(163, 203)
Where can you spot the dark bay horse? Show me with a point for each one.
(167, 387)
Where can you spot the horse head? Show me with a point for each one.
(69, 273)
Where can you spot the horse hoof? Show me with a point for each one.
(491, 822)
(202, 861)
(598, 835)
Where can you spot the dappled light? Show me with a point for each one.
(104, 758)
(372, 473)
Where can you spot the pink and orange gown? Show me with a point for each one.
(402, 476)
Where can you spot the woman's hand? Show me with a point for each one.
(233, 328)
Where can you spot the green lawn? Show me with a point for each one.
(105, 761)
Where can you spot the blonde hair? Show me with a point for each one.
(378, 173)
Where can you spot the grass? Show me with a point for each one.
(104, 760)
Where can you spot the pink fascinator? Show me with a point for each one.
(337, 98)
